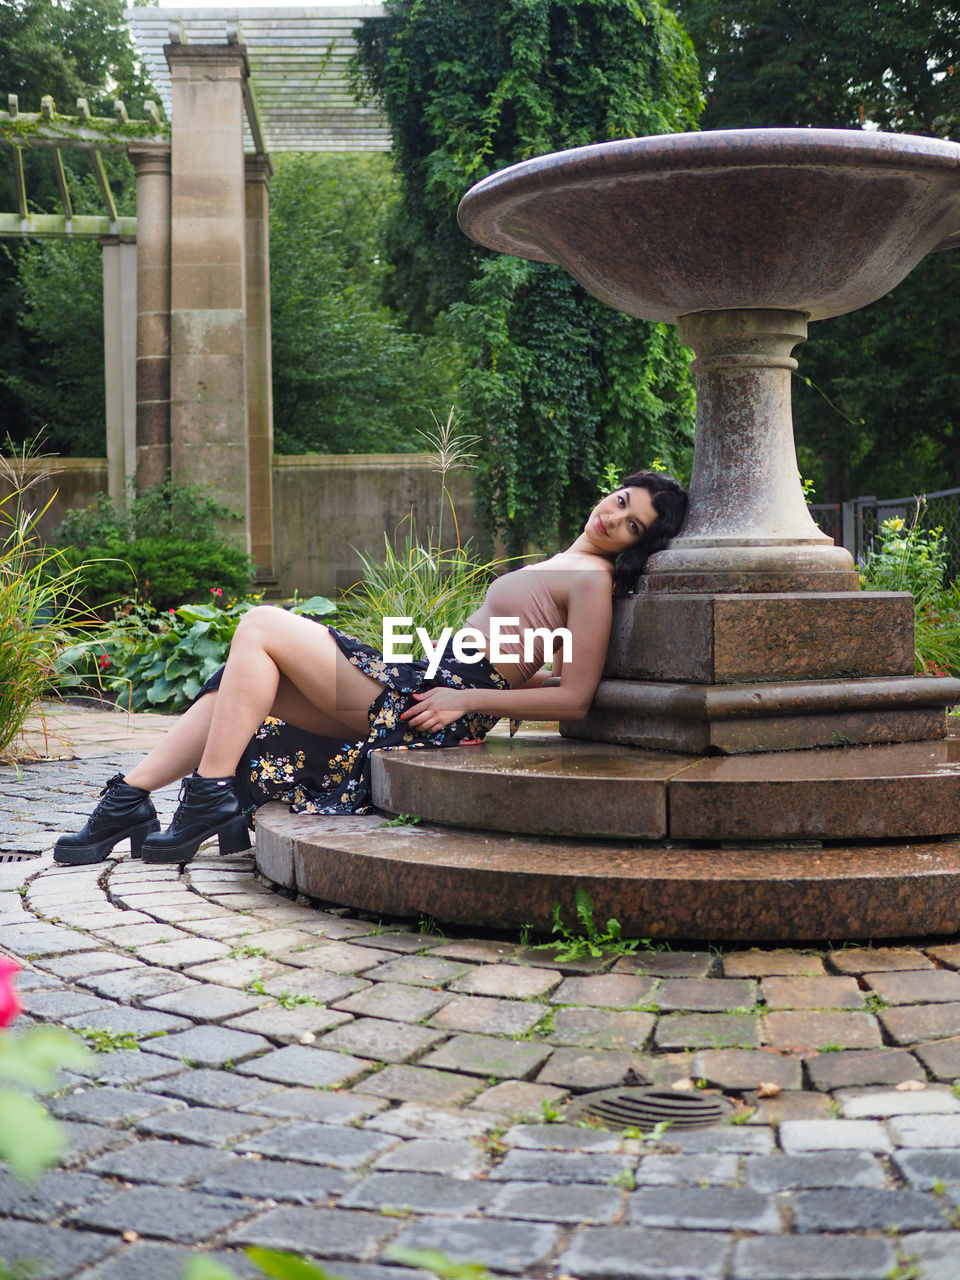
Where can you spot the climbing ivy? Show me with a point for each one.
(558, 383)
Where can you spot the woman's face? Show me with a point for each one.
(620, 520)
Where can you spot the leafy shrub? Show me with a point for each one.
(162, 571)
(166, 548)
(159, 661)
(909, 558)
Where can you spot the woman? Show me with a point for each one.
(299, 706)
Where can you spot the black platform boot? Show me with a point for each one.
(124, 811)
(208, 806)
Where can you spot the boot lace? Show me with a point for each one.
(104, 792)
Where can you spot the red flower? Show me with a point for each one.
(104, 661)
(9, 1004)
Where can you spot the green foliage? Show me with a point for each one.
(435, 588)
(30, 1140)
(562, 384)
(51, 326)
(556, 382)
(346, 377)
(167, 510)
(290, 1266)
(102, 1040)
(38, 602)
(437, 1263)
(906, 557)
(68, 50)
(888, 374)
(589, 939)
(162, 571)
(159, 661)
(827, 63)
(406, 820)
(166, 548)
(59, 383)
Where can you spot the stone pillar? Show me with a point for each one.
(748, 527)
(208, 380)
(259, 368)
(152, 167)
(120, 362)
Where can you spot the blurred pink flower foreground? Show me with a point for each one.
(9, 1004)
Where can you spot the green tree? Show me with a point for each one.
(827, 63)
(347, 377)
(876, 395)
(557, 383)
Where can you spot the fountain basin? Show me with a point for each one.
(817, 221)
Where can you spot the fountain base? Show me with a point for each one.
(744, 892)
(857, 842)
(772, 716)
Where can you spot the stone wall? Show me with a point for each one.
(325, 505)
(63, 482)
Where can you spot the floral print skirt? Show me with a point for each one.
(321, 775)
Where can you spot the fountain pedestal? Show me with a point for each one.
(748, 528)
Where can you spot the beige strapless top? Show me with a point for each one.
(522, 594)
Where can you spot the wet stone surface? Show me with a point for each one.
(292, 1075)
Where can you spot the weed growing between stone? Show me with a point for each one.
(291, 1266)
(101, 1040)
(589, 939)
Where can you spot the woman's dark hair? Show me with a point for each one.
(670, 503)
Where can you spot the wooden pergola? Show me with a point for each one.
(187, 281)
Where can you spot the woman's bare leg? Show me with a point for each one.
(180, 751)
(183, 749)
(283, 664)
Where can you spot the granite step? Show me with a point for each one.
(748, 893)
(547, 785)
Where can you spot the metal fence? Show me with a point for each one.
(855, 524)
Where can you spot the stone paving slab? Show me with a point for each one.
(384, 1087)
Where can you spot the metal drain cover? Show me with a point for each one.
(644, 1109)
(18, 856)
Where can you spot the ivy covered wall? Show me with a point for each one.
(557, 384)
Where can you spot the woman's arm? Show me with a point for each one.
(589, 615)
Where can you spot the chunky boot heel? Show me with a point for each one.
(208, 807)
(124, 812)
(137, 837)
(235, 838)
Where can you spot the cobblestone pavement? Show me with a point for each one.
(306, 1078)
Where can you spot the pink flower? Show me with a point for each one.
(216, 591)
(9, 1003)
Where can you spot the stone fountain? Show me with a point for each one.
(760, 761)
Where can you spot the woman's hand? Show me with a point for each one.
(436, 708)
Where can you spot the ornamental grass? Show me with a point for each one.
(38, 600)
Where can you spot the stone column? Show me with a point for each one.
(748, 527)
(259, 368)
(208, 381)
(152, 167)
(120, 362)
